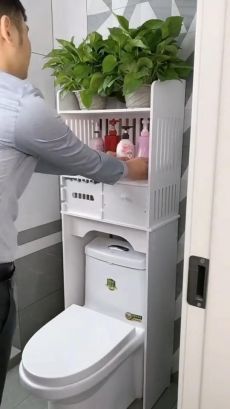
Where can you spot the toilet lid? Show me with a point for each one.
(73, 346)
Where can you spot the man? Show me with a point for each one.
(33, 138)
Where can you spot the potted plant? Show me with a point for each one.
(78, 70)
(94, 72)
(143, 55)
(89, 72)
(62, 61)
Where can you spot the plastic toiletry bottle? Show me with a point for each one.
(112, 139)
(97, 142)
(125, 148)
(143, 141)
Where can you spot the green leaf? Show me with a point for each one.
(136, 42)
(94, 38)
(109, 63)
(172, 49)
(87, 98)
(124, 23)
(118, 35)
(129, 67)
(172, 26)
(68, 45)
(152, 24)
(109, 81)
(168, 74)
(96, 81)
(144, 62)
(81, 71)
(183, 70)
(85, 83)
(127, 58)
(152, 38)
(131, 83)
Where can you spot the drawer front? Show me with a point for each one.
(82, 197)
(126, 204)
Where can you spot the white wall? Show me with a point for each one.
(47, 20)
(69, 19)
(40, 202)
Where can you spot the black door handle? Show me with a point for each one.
(197, 281)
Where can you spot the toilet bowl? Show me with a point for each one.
(83, 359)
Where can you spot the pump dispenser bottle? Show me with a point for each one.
(97, 142)
(143, 141)
(125, 148)
(112, 139)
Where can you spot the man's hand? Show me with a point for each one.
(137, 168)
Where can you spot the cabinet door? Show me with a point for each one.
(205, 335)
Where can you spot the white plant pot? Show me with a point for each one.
(98, 101)
(114, 103)
(68, 102)
(139, 98)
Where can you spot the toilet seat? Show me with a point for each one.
(73, 346)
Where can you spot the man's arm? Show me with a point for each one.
(41, 133)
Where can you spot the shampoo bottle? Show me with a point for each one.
(143, 141)
(112, 139)
(125, 148)
(97, 142)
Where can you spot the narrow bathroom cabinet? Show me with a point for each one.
(143, 213)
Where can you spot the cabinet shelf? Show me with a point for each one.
(105, 111)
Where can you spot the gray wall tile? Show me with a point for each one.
(95, 21)
(38, 232)
(37, 275)
(17, 337)
(179, 278)
(56, 250)
(187, 9)
(162, 8)
(33, 317)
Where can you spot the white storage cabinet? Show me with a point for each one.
(144, 213)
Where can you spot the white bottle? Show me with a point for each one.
(143, 141)
(97, 142)
(125, 148)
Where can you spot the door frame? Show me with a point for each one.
(209, 53)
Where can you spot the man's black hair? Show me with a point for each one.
(13, 9)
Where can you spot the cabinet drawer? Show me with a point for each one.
(81, 196)
(126, 204)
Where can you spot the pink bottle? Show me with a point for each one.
(97, 142)
(143, 141)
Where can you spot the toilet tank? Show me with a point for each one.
(115, 279)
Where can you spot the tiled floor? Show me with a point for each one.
(16, 397)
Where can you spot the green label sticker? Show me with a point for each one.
(133, 317)
(111, 284)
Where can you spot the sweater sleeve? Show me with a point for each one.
(41, 133)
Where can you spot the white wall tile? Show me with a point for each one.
(116, 4)
(111, 21)
(187, 46)
(96, 7)
(41, 78)
(39, 15)
(142, 12)
(70, 19)
(39, 203)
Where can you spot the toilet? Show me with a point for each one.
(91, 356)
